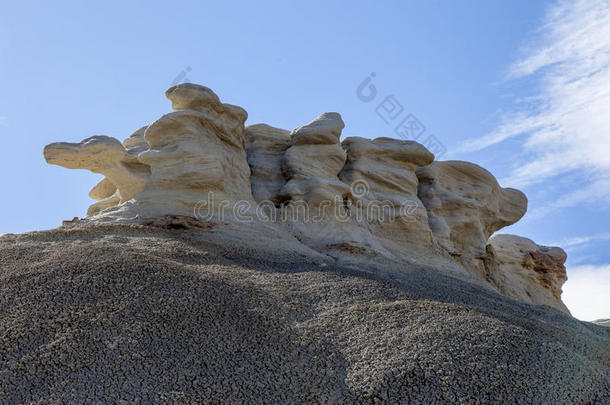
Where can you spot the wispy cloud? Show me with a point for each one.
(565, 124)
(589, 249)
(596, 191)
(583, 240)
(2, 120)
(586, 293)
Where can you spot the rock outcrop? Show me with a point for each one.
(466, 205)
(103, 189)
(314, 202)
(521, 269)
(381, 175)
(382, 202)
(196, 156)
(265, 146)
(313, 161)
(125, 174)
(136, 143)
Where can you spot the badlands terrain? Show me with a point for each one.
(224, 263)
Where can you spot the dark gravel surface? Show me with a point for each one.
(140, 315)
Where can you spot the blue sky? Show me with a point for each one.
(520, 87)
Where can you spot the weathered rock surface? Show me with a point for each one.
(372, 280)
(196, 155)
(133, 314)
(125, 174)
(136, 143)
(314, 199)
(381, 175)
(521, 269)
(313, 161)
(382, 202)
(105, 191)
(265, 147)
(466, 205)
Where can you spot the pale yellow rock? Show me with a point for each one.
(196, 156)
(383, 184)
(466, 205)
(105, 191)
(227, 119)
(313, 161)
(521, 269)
(314, 200)
(265, 147)
(102, 190)
(380, 205)
(103, 204)
(104, 155)
(136, 144)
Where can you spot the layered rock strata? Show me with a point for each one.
(466, 205)
(382, 202)
(521, 269)
(196, 154)
(125, 175)
(265, 147)
(383, 184)
(313, 161)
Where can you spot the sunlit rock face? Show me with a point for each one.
(521, 269)
(380, 205)
(466, 205)
(125, 175)
(196, 154)
(383, 184)
(313, 161)
(313, 202)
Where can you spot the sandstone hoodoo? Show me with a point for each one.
(526, 271)
(385, 198)
(313, 161)
(265, 147)
(225, 263)
(466, 205)
(195, 153)
(385, 169)
(125, 173)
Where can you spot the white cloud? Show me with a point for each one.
(587, 291)
(582, 240)
(2, 120)
(597, 191)
(565, 125)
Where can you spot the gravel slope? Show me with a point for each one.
(138, 314)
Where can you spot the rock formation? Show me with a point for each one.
(265, 146)
(521, 269)
(466, 205)
(225, 264)
(381, 173)
(103, 189)
(382, 202)
(196, 155)
(313, 161)
(125, 173)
